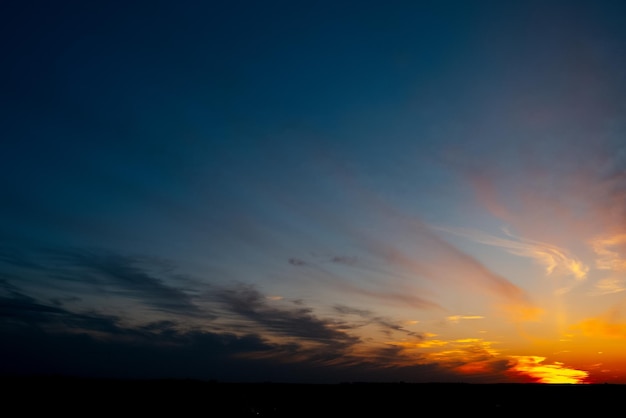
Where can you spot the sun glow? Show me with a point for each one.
(548, 373)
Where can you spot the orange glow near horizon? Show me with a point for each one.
(533, 367)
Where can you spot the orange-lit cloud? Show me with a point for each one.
(465, 350)
(533, 367)
(422, 344)
(457, 318)
(607, 326)
(471, 357)
(477, 357)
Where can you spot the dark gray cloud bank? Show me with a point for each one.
(191, 330)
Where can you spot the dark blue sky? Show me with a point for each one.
(310, 191)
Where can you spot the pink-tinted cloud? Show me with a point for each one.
(441, 261)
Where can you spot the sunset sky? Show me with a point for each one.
(314, 191)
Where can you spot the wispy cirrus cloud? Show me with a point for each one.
(609, 285)
(553, 258)
(457, 318)
(387, 325)
(86, 272)
(610, 251)
(443, 262)
(407, 297)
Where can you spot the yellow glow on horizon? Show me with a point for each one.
(548, 373)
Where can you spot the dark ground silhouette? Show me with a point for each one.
(182, 398)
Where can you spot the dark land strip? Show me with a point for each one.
(182, 398)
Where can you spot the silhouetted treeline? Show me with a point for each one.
(182, 398)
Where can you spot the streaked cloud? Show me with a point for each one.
(551, 257)
(409, 297)
(387, 325)
(611, 252)
(443, 262)
(457, 318)
(135, 279)
(609, 285)
(299, 322)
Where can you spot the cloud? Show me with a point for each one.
(610, 251)
(535, 369)
(300, 323)
(156, 350)
(463, 265)
(19, 310)
(387, 325)
(563, 191)
(457, 318)
(133, 279)
(466, 350)
(402, 252)
(226, 331)
(407, 297)
(253, 338)
(18, 258)
(139, 279)
(440, 261)
(347, 310)
(42, 339)
(17, 306)
(553, 258)
(350, 261)
(609, 285)
(473, 358)
(297, 262)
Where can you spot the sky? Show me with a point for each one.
(314, 191)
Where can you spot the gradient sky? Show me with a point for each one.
(313, 191)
